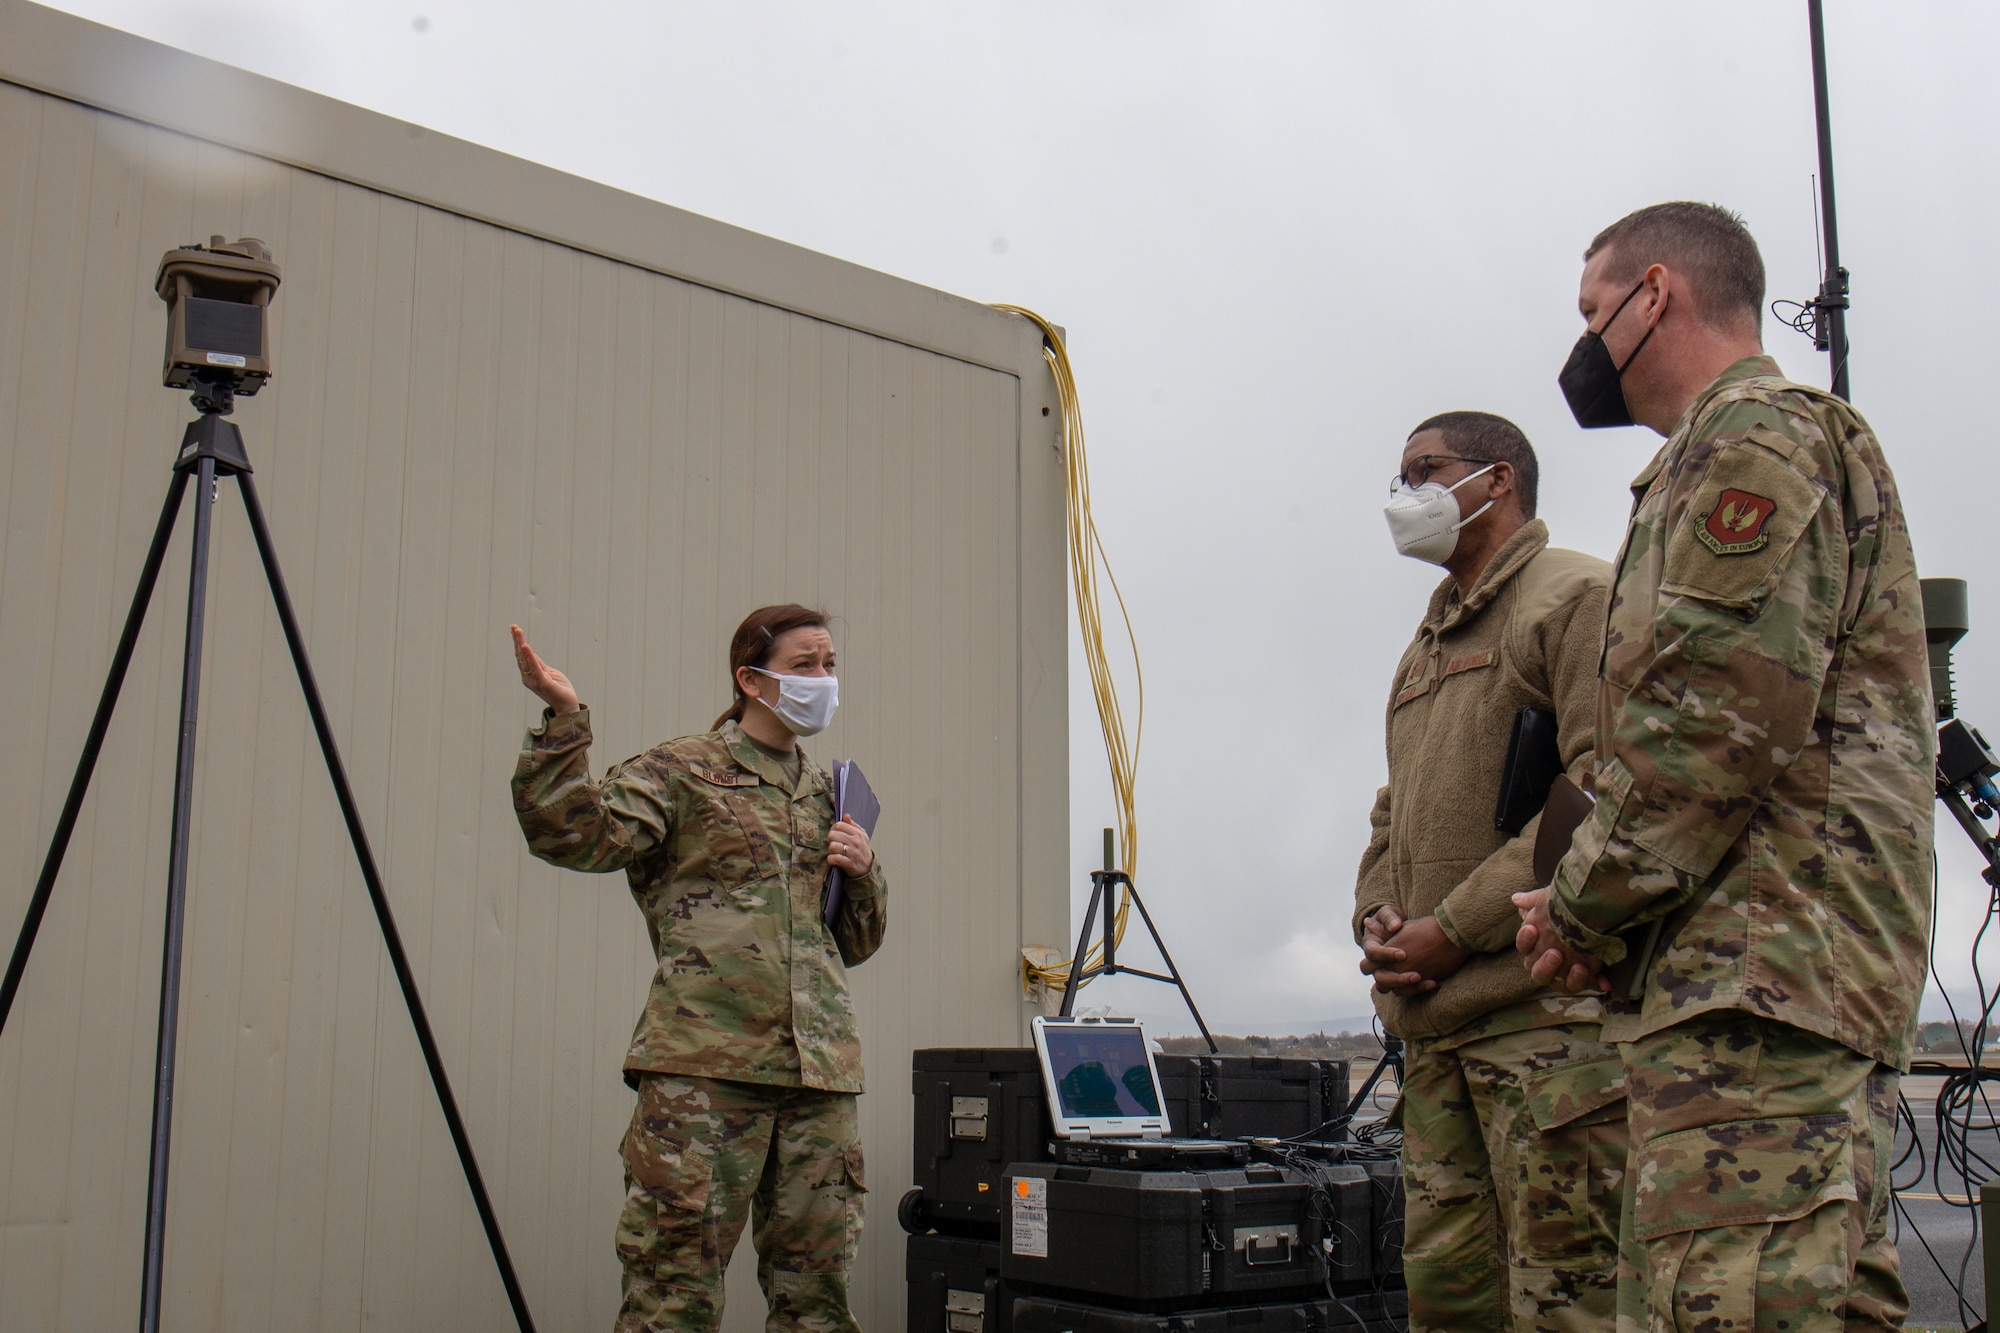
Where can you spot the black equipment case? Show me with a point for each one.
(1251, 1096)
(1160, 1238)
(977, 1110)
(1372, 1311)
(955, 1286)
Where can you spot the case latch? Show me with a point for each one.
(965, 1311)
(968, 1118)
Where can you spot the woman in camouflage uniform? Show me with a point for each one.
(747, 1059)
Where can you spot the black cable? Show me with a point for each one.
(1905, 1116)
(1963, 1109)
(1903, 1212)
(1978, 977)
(1957, 1024)
(1954, 1115)
(1802, 320)
(1323, 1209)
(1386, 1136)
(1375, 1100)
(1964, 1262)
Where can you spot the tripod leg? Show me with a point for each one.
(170, 962)
(1168, 959)
(1074, 982)
(107, 703)
(1391, 1059)
(393, 938)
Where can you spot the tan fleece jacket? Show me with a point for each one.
(1529, 635)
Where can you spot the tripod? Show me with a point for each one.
(212, 448)
(1392, 1058)
(1102, 882)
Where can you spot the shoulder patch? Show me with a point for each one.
(1747, 513)
(1735, 524)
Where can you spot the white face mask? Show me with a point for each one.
(1424, 521)
(805, 703)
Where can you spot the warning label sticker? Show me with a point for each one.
(1030, 1210)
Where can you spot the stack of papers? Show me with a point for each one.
(851, 796)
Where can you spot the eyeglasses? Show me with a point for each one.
(1420, 468)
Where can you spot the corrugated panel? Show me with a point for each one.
(470, 426)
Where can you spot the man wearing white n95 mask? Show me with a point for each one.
(1513, 1123)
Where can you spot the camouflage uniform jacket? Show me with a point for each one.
(728, 863)
(1526, 635)
(1764, 741)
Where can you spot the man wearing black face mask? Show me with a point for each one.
(1761, 841)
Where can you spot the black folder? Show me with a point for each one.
(1534, 761)
(851, 796)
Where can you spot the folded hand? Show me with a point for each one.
(1407, 957)
(1549, 961)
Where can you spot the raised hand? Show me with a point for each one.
(551, 686)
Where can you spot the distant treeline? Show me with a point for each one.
(1316, 1045)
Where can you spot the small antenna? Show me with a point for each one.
(1819, 258)
(1824, 317)
(1829, 308)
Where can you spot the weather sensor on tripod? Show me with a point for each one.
(217, 300)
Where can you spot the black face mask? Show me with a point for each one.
(1592, 382)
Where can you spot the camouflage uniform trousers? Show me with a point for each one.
(1760, 1182)
(700, 1156)
(1513, 1160)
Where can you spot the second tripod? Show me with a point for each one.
(1103, 884)
(212, 449)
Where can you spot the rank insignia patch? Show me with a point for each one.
(1736, 525)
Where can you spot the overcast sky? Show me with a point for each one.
(1279, 235)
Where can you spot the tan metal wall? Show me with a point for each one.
(591, 419)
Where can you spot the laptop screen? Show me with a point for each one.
(1100, 1071)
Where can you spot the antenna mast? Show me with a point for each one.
(1830, 307)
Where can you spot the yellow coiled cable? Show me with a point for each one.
(1086, 557)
